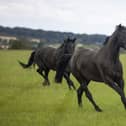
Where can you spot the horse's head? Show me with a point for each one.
(121, 35)
(69, 45)
(67, 49)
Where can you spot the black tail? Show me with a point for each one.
(30, 61)
(61, 66)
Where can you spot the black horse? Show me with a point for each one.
(47, 59)
(101, 66)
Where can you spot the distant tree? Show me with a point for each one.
(51, 37)
(20, 44)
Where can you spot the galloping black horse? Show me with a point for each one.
(47, 59)
(101, 66)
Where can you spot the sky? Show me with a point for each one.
(78, 16)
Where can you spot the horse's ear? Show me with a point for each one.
(120, 25)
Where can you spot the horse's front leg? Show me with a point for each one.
(69, 81)
(90, 98)
(120, 83)
(110, 82)
(119, 90)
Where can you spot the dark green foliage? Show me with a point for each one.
(50, 36)
(20, 44)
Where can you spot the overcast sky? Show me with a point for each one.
(78, 16)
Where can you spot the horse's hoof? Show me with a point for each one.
(98, 109)
(58, 81)
(80, 105)
(48, 84)
(44, 84)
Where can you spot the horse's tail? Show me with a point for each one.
(30, 61)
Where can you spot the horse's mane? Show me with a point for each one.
(106, 40)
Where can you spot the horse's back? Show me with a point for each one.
(82, 62)
(46, 55)
(82, 55)
(45, 50)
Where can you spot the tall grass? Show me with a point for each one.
(25, 102)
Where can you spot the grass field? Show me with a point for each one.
(25, 102)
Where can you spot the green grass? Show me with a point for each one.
(25, 102)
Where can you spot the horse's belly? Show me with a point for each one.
(90, 72)
(95, 76)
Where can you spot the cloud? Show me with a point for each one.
(83, 16)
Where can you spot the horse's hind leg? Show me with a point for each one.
(40, 71)
(46, 76)
(90, 98)
(69, 82)
(120, 83)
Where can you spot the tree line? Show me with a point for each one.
(51, 37)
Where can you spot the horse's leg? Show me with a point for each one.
(46, 76)
(40, 71)
(83, 86)
(69, 82)
(80, 89)
(120, 83)
(118, 90)
(90, 98)
(79, 95)
(111, 83)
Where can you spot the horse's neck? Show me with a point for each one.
(112, 49)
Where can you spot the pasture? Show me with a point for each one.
(25, 102)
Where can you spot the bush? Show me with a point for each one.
(20, 44)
